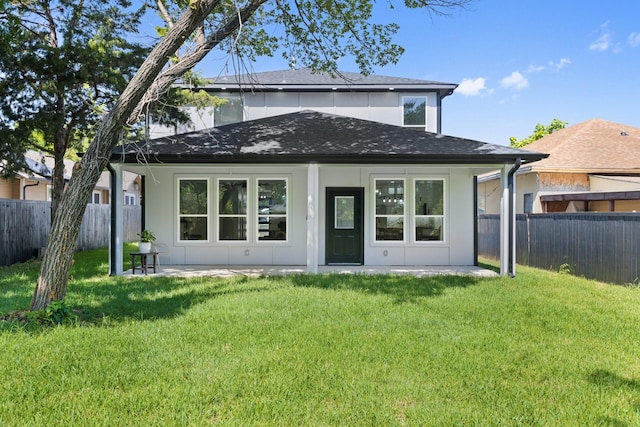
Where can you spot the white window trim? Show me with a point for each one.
(179, 215)
(247, 215)
(414, 216)
(375, 215)
(254, 209)
(426, 108)
(93, 197)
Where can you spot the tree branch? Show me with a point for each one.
(167, 77)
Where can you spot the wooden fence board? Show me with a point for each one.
(25, 226)
(601, 246)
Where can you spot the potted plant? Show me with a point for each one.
(147, 237)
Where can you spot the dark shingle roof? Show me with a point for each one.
(305, 79)
(309, 136)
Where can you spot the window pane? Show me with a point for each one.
(233, 197)
(389, 228)
(228, 112)
(415, 111)
(233, 228)
(428, 228)
(272, 196)
(389, 197)
(193, 228)
(193, 197)
(272, 228)
(429, 197)
(344, 212)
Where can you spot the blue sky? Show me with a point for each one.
(518, 63)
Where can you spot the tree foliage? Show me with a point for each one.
(317, 33)
(539, 132)
(63, 65)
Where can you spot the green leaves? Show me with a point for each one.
(539, 132)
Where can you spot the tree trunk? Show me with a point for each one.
(56, 264)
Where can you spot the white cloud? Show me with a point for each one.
(605, 41)
(602, 44)
(560, 64)
(535, 68)
(634, 39)
(515, 81)
(472, 87)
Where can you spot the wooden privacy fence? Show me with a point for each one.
(25, 226)
(601, 246)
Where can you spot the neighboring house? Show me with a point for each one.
(592, 166)
(312, 188)
(392, 100)
(35, 184)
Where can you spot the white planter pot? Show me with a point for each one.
(145, 247)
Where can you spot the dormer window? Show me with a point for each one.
(414, 111)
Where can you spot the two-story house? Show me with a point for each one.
(307, 169)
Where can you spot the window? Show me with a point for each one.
(344, 215)
(232, 209)
(528, 202)
(272, 209)
(389, 209)
(414, 111)
(193, 209)
(429, 209)
(230, 111)
(129, 199)
(95, 198)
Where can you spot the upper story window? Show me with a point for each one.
(228, 112)
(414, 111)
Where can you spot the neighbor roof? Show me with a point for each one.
(592, 146)
(305, 79)
(309, 136)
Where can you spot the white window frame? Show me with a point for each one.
(130, 196)
(376, 215)
(93, 197)
(179, 216)
(426, 107)
(415, 216)
(254, 209)
(246, 215)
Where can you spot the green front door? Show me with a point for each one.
(345, 226)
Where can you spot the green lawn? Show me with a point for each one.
(541, 349)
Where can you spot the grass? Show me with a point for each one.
(540, 349)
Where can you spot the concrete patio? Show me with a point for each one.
(256, 271)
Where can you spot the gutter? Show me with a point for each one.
(24, 189)
(511, 263)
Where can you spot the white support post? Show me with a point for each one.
(313, 191)
(504, 220)
(117, 222)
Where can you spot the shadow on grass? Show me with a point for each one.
(607, 379)
(156, 298)
(402, 288)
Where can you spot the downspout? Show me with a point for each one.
(113, 239)
(511, 263)
(24, 189)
